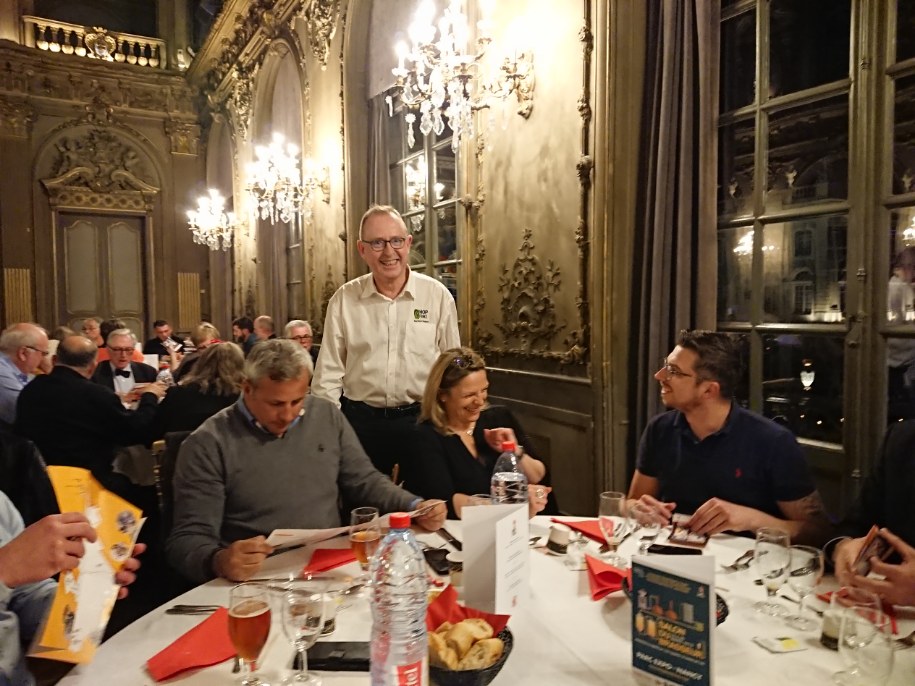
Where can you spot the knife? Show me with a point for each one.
(444, 533)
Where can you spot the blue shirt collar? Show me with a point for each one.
(683, 425)
(18, 373)
(254, 424)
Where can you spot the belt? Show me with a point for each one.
(360, 407)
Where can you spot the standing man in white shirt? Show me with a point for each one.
(383, 332)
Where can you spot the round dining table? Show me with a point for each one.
(561, 635)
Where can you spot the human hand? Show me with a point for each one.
(716, 515)
(50, 545)
(537, 495)
(898, 583)
(241, 560)
(843, 557)
(648, 510)
(128, 572)
(495, 437)
(434, 518)
(158, 389)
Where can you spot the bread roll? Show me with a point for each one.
(461, 637)
(444, 628)
(484, 653)
(440, 653)
(480, 628)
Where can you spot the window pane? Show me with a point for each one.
(735, 169)
(415, 173)
(808, 44)
(445, 177)
(900, 383)
(804, 270)
(900, 296)
(416, 225)
(803, 384)
(737, 87)
(905, 30)
(735, 261)
(808, 154)
(904, 136)
(448, 275)
(446, 225)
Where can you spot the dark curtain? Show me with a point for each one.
(677, 176)
(379, 162)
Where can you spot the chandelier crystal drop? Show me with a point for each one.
(210, 224)
(275, 181)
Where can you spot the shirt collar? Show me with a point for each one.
(18, 373)
(409, 288)
(128, 369)
(254, 424)
(684, 427)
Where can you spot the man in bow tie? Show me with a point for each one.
(119, 373)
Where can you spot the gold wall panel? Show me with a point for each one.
(188, 300)
(17, 287)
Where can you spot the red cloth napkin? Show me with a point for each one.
(325, 559)
(604, 578)
(588, 527)
(206, 644)
(888, 608)
(445, 608)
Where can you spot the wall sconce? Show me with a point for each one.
(440, 78)
(211, 225)
(316, 178)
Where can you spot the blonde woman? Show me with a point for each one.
(460, 435)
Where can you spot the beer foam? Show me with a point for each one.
(249, 608)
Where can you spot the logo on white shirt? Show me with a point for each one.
(421, 316)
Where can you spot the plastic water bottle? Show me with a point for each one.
(165, 376)
(509, 484)
(399, 649)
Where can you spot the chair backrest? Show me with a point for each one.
(166, 460)
(24, 478)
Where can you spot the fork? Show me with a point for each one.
(741, 563)
(904, 642)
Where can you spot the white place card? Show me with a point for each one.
(496, 557)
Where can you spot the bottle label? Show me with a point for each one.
(415, 674)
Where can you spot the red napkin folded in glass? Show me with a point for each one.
(325, 559)
(888, 608)
(206, 644)
(588, 527)
(604, 578)
(445, 608)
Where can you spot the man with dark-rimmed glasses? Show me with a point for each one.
(730, 469)
(382, 333)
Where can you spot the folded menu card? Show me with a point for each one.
(496, 557)
(206, 644)
(85, 596)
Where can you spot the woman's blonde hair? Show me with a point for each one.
(219, 370)
(451, 367)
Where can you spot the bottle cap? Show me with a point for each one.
(508, 446)
(400, 520)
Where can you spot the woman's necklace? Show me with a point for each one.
(467, 432)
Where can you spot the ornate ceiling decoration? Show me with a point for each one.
(321, 24)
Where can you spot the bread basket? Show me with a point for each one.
(473, 677)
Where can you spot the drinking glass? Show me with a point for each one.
(249, 626)
(613, 517)
(364, 535)
(772, 559)
(866, 647)
(303, 607)
(648, 528)
(479, 499)
(844, 598)
(805, 573)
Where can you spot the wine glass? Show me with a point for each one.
(772, 559)
(648, 527)
(249, 626)
(364, 535)
(840, 600)
(866, 647)
(805, 573)
(303, 607)
(613, 518)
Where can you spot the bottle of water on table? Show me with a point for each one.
(399, 648)
(509, 484)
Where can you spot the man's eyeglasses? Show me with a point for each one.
(302, 338)
(121, 350)
(671, 371)
(378, 244)
(44, 353)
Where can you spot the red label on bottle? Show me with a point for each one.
(412, 674)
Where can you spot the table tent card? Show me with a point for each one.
(673, 618)
(85, 596)
(496, 557)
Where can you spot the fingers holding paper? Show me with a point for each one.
(431, 514)
(128, 572)
(241, 560)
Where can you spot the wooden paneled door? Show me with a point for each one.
(100, 269)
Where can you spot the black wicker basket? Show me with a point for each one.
(473, 677)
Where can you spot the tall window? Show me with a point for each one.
(817, 167)
(424, 183)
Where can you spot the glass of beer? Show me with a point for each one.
(249, 626)
(364, 535)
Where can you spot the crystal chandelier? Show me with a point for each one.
(440, 78)
(908, 235)
(275, 181)
(211, 225)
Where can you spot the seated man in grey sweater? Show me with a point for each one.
(279, 458)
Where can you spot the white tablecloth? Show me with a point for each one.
(561, 636)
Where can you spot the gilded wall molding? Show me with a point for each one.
(184, 137)
(320, 17)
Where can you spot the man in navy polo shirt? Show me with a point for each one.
(731, 469)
